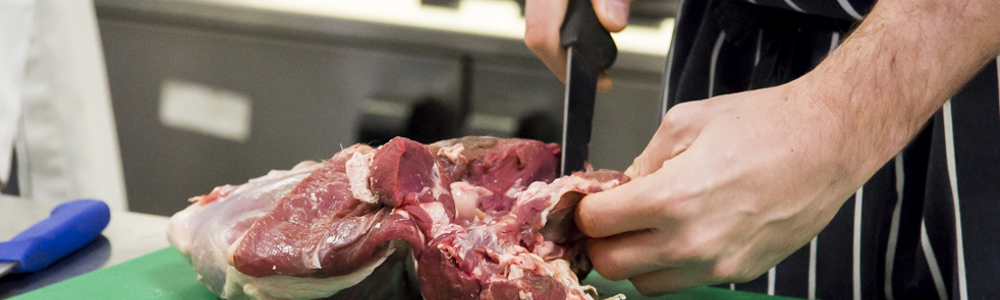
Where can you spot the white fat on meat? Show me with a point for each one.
(515, 190)
(518, 261)
(359, 174)
(179, 232)
(287, 287)
(441, 223)
(466, 196)
(558, 269)
(180, 235)
(438, 189)
(453, 152)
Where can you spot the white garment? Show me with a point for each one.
(15, 34)
(67, 145)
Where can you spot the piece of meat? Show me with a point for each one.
(476, 217)
(489, 259)
(320, 230)
(505, 167)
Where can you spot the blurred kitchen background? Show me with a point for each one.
(210, 92)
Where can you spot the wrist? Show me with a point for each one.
(855, 143)
(889, 77)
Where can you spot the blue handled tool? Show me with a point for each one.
(70, 226)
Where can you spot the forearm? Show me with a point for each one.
(900, 65)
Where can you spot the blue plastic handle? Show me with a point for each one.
(70, 226)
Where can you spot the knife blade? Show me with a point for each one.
(590, 50)
(71, 225)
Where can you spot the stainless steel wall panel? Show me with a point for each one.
(305, 101)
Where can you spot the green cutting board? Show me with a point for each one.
(165, 274)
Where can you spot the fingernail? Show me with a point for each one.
(617, 10)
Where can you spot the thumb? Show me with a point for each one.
(665, 144)
(678, 130)
(612, 13)
(657, 153)
(645, 164)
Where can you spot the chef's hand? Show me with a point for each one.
(730, 186)
(543, 18)
(727, 188)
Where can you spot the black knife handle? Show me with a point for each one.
(582, 30)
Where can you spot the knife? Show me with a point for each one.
(590, 50)
(70, 226)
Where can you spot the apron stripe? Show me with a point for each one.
(976, 135)
(793, 6)
(760, 39)
(770, 280)
(890, 252)
(856, 255)
(715, 59)
(949, 138)
(812, 268)
(849, 9)
(834, 42)
(932, 262)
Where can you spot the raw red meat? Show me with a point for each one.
(475, 218)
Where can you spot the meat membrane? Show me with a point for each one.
(468, 218)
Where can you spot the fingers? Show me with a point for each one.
(669, 280)
(625, 208)
(612, 13)
(603, 82)
(542, 21)
(625, 255)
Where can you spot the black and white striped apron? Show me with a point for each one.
(925, 226)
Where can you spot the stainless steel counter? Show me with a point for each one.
(129, 235)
